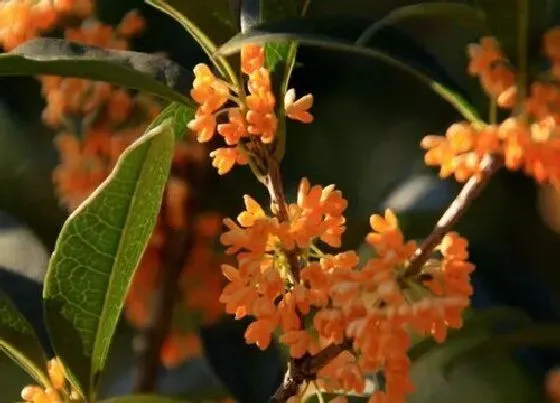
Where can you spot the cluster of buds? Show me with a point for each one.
(58, 391)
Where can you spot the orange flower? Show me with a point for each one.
(491, 66)
(235, 129)
(252, 58)
(298, 109)
(225, 158)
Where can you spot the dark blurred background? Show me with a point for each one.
(369, 119)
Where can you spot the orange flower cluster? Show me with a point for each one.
(529, 141)
(330, 298)
(59, 390)
(98, 110)
(494, 71)
(22, 20)
(253, 116)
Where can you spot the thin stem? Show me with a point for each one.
(318, 392)
(522, 52)
(306, 5)
(316, 250)
(493, 112)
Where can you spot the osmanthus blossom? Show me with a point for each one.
(329, 298)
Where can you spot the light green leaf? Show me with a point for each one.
(280, 33)
(19, 341)
(142, 399)
(49, 56)
(98, 250)
(456, 12)
(209, 22)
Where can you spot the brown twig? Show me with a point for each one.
(176, 251)
(306, 368)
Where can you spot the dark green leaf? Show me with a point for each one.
(150, 73)
(547, 335)
(142, 399)
(19, 342)
(209, 22)
(255, 12)
(327, 397)
(503, 20)
(283, 33)
(475, 324)
(448, 11)
(98, 250)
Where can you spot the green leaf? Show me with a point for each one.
(209, 22)
(475, 324)
(98, 250)
(542, 335)
(456, 12)
(280, 33)
(49, 56)
(19, 341)
(142, 399)
(503, 21)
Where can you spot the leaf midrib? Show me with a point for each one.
(156, 131)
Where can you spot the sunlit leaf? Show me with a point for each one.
(19, 341)
(99, 248)
(153, 74)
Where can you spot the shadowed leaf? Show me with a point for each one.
(209, 22)
(475, 324)
(19, 341)
(144, 72)
(293, 31)
(536, 335)
(456, 12)
(142, 399)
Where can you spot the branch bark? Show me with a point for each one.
(176, 251)
(470, 191)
